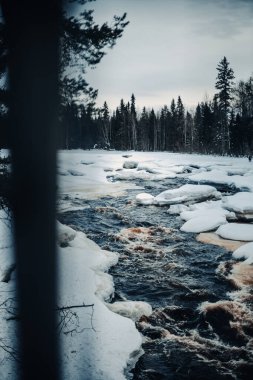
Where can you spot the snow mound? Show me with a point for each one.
(144, 199)
(130, 165)
(7, 259)
(131, 309)
(245, 252)
(75, 173)
(177, 209)
(186, 193)
(65, 234)
(203, 223)
(240, 202)
(211, 213)
(236, 231)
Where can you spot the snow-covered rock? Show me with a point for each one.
(236, 231)
(131, 309)
(186, 193)
(144, 199)
(241, 202)
(130, 165)
(204, 223)
(210, 213)
(245, 252)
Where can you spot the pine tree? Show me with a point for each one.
(224, 83)
(180, 125)
(133, 123)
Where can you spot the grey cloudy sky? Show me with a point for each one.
(171, 48)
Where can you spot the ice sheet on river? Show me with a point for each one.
(222, 177)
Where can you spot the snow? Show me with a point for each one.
(236, 231)
(131, 309)
(7, 261)
(240, 202)
(204, 223)
(130, 164)
(106, 340)
(186, 193)
(177, 209)
(144, 199)
(245, 252)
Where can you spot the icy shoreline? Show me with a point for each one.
(104, 344)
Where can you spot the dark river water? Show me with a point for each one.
(201, 326)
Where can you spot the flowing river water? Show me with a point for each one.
(201, 326)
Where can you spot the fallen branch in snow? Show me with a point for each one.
(73, 307)
(69, 318)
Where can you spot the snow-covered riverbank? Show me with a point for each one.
(100, 344)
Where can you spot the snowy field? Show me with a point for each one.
(103, 343)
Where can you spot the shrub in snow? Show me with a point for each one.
(130, 165)
(187, 193)
(144, 199)
(236, 231)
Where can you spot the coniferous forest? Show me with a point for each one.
(223, 125)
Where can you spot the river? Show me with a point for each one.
(201, 326)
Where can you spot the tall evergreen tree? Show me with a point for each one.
(224, 83)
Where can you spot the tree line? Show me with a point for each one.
(223, 125)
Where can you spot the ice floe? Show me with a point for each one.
(245, 252)
(144, 199)
(241, 202)
(236, 231)
(131, 309)
(187, 193)
(204, 223)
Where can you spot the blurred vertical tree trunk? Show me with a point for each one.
(33, 43)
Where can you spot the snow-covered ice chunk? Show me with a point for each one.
(187, 193)
(131, 309)
(177, 209)
(240, 202)
(245, 252)
(209, 213)
(236, 231)
(130, 165)
(144, 199)
(204, 223)
(65, 234)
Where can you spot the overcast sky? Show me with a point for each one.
(171, 48)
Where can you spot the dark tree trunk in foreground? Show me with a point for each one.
(33, 36)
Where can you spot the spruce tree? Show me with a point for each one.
(224, 83)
